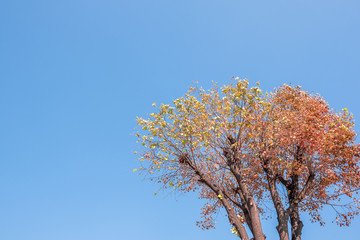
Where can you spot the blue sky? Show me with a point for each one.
(75, 74)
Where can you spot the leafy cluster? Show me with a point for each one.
(230, 143)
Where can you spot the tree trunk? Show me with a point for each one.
(296, 223)
(250, 202)
(282, 215)
(234, 162)
(235, 221)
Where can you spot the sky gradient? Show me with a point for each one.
(75, 74)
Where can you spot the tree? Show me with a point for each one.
(241, 149)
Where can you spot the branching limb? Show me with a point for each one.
(233, 218)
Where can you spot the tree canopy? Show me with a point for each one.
(241, 149)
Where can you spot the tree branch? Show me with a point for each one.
(285, 182)
(308, 185)
(233, 218)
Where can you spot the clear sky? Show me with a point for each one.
(75, 74)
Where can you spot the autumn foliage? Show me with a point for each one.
(241, 149)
